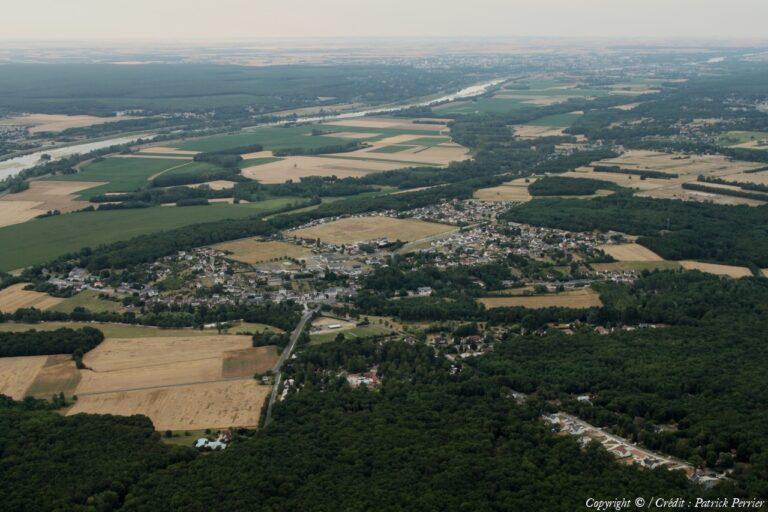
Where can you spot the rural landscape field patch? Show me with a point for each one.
(360, 229)
(579, 298)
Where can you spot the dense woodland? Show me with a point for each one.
(674, 229)
(60, 341)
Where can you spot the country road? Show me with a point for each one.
(283, 357)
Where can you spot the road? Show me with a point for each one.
(276, 371)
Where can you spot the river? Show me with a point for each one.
(15, 165)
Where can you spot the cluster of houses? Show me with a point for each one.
(459, 213)
(624, 450)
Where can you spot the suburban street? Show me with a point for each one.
(283, 357)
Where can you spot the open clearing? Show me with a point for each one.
(40, 197)
(515, 190)
(232, 403)
(580, 298)
(37, 123)
(360, 229)
(714, 268)
(58, 375)
(252, 251)
(15, 297)
(630, 252)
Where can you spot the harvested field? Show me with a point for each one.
(18, 373)
(360, 229)
(179, 382)
(516, 190)
(253, 251)
(580, 298)
(248, 362)
(714, 268)
(16, 212)
(630, 252)
(15, 297)
(231, 403)
(58, 122)
(297, 167)
(215, 185)
(524, 131)
(687, 168)
(58, 375)
(40, 197)
(133, 353)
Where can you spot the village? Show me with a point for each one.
(329, 272)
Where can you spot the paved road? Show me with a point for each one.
(283, 357)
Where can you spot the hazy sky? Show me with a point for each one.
(205, 20)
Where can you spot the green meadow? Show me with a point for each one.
(122, 174)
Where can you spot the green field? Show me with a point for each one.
(273, 138)
(122, 174)
(89, 300)
(493, 105)
(395, 148)
(429, 141)
(259, 161)
(357, 332)
(740, 137)
(41, 240)
(556, 121)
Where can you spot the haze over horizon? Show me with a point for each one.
(93, 20)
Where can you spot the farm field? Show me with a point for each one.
(89, 300)
(747, 140)
(18, 373)
(38, 123)
(41, 240)
(687, 167)
(717, 269)
(349, 334)
(15, 297)
(223, 404)
(580, 298)
(515, 190)
(179, 382)
(359, 229)
(637, 266)
(41, 197)
(296, 167)
(252, 251)
(630, 252)
(115, 174)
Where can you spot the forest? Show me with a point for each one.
(676, 230)
(60, 341)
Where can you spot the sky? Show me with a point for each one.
(209, 20)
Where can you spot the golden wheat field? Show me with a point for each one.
(15, 297)
(360, 229)
(581, 298)
(253, 251)
(630, 252)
